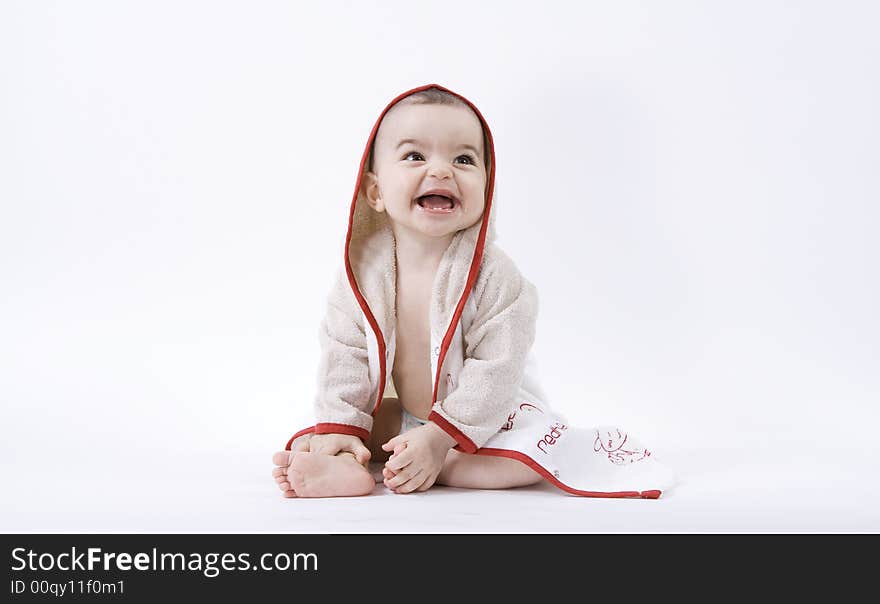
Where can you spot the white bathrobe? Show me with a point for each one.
(486, 391)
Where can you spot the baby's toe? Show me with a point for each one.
(281, 458)
(297, 480)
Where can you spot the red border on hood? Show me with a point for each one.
(475, 262)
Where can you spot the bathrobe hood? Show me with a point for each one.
(369, 244)
(481, 317)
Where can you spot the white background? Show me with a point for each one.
(692, 187)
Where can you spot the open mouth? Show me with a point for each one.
(436, 203)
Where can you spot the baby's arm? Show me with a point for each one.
(343, 402)
(320, 464)
(496, 348)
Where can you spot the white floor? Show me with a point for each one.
(720, 491)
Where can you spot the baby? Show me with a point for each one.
(418, 259)
(425, 292)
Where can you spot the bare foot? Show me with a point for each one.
(282, 460)
(319, 475)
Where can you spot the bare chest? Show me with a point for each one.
(412, 363)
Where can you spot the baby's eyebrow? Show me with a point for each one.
(417, 142)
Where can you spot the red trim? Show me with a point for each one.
(352, 282)
(297, 435)
(478, 252)
(475, 261)
(328, 428)
(464, 443)
(651, 494)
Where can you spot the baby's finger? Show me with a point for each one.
(327, 450)
(281, 458)
(391, 444)
(402, 478)
(362, 454)
(280, 471)
(428, 483)
(413, 483)
(301, 445)
(386, 473)
(398, 462)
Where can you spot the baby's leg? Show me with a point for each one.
(386, 425)
(482, 472)
(485, 472)
(474, 471)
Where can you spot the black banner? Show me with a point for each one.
(234, 567)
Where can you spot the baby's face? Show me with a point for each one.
(423, 147)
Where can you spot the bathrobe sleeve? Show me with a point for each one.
(343, 402)
(496, 347)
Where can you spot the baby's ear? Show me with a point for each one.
(370, 187)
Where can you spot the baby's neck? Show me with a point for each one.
(420, 255)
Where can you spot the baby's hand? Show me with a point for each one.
(332, 444)
(417, 458)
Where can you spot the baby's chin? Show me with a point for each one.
(431, 228)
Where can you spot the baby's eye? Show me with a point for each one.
(467, 157)
(412, 153)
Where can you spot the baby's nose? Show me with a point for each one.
(439, 170)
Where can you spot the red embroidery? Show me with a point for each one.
(526, 406)
(612, 444)
(509, 423)
(450, 383)
(551, 437)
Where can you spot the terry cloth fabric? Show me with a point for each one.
(486, 392)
